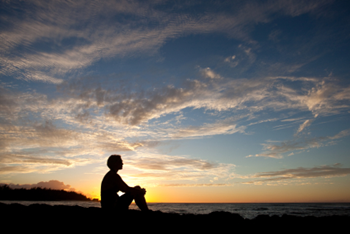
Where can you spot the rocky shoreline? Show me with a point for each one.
(39, 217)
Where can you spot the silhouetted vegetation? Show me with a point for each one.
(39, 194)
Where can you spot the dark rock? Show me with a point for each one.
(41, 217)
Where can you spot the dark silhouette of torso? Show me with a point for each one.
(111, 184)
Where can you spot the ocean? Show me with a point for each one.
(246, 210)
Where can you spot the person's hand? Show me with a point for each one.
(143, 191)
(140, 190)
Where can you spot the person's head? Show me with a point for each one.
(115, 162)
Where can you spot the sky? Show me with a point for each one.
(206, 101)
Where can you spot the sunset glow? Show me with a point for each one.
(206, 101)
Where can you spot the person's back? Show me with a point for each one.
(109, 189)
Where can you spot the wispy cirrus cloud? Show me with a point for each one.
(222, 127)
(194, 185)
(326, 171)
(55, 23)
(324, 98)
(304, 125)
(105, 118)
(139, 107)
(263, 121)
(24, 159)
(278, 150)
(155, 167)
(252, 95)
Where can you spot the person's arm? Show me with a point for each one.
(127, 189)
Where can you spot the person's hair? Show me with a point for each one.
(112, 159)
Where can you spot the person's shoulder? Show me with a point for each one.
(113, 174)
(110, 174)
(118, 176)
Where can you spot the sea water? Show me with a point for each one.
(246, 210)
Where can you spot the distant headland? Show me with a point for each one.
(40, 194)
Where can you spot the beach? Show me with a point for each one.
(39, 217)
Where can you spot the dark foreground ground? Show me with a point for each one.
(53, 219)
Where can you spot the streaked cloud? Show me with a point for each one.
(297, 144)
(97, 41)
(159, 167)
(304, 125)
(22, 159)
(263, 121)
(122, 114)
(194, 185)
(326, 171)
(223, 127)
(226, 95)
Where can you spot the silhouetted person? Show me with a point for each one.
(112, 183)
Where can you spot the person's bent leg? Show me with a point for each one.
(124, 202)
(141, 202)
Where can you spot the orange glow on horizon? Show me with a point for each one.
(242, 194)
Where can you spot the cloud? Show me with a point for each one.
(292, 120)
(17, 169)
(230, 58)
(38, 76)
(221, 127)
(51, 135)
(273, 36)
(139, 107)
(208, 73)
(263, 121)
(118, 146)
(35, 160)
(232, 61)
(90, 120)
(38, 135)
(277, 151)
(144, 105)
(324, 98)
(17, 105)
(248, 53)
(304, 125)
(56, 23)
(153, 167)
(44, 147)
(193, 185)
(325, 171)
(118, 108)
(290, 123)
(136, 108)
(23, 159)
(341, 134)
(7, 103)
(172, 163)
